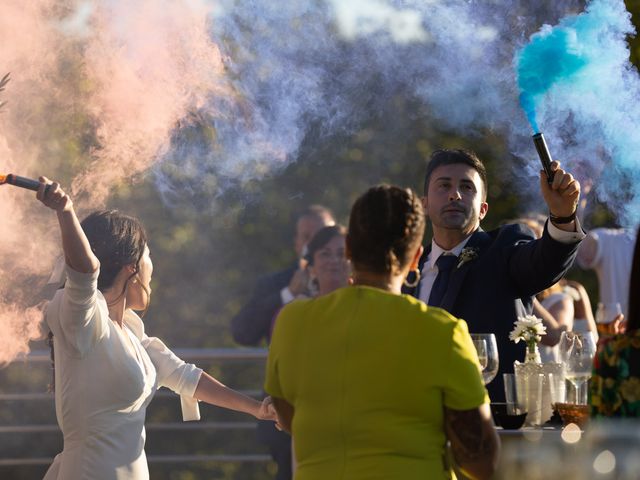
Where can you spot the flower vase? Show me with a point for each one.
(538, 386)
(533, 354)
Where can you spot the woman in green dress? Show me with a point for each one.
(372, 383)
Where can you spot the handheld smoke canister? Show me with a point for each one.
(23, 182)
(545, 156)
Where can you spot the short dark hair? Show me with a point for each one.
(453, 157)
(321, 238)
(117, 240)
(315, 211)
(385, 225)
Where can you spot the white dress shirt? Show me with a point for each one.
(429, 270)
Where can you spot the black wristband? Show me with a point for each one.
(562, 220)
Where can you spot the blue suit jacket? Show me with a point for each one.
(253, 322)
(250, 326)
(491, 291)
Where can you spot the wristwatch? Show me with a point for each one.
(562, 220)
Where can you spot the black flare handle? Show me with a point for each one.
(24, 182)
(545, 156)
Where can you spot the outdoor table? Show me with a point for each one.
(603, 449)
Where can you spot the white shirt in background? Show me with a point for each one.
(611, 261)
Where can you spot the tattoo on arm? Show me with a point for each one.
(470, 440)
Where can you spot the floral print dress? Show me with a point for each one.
(615, 383)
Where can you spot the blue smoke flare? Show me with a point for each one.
(554, 55)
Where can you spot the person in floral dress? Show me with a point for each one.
(615, 382)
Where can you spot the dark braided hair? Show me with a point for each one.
(117, 240)
(385, 226)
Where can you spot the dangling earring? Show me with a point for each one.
(313, 287)
(415, 282)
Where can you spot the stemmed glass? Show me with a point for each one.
(577, 351)
(487, 349)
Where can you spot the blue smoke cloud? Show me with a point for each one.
(577, 83)
(554, 55)
(326, 66)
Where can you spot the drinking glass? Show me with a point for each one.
(487, 349)
(515, 403)
(577, 351)
(557, 388)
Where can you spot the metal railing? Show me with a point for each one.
(39, 356)
(200, 354)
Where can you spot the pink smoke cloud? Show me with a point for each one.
(120, 73)
(149, 68)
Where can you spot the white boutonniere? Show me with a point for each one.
(466, 255)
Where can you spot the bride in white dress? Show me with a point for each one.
(106, 367)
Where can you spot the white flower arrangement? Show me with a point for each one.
(466, 255)
(529, 329)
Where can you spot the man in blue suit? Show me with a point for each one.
(252, 325)
(489, 278)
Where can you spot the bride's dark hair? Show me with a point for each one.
(117, 240)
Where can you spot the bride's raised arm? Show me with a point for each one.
(75, 245)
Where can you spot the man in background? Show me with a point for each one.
(253, 323)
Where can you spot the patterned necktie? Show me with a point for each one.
(445, 264)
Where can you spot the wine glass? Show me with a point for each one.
(577, 351)
(487, 349)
